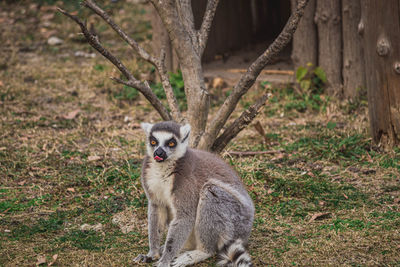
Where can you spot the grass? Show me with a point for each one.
(60, 173)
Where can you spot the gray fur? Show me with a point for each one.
(167, 126)
(198, 198)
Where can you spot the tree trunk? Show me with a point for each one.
(304, 49)
(161, 40)
(382, 68)
(182, 39)
(328, 19)
(353, 60)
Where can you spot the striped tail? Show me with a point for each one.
(234, 254)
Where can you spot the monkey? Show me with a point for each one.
(197, 197)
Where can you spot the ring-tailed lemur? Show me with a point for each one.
(198, 197)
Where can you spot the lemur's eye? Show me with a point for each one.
(153, 142)
(171, 144)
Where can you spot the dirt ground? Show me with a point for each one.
(71, 150)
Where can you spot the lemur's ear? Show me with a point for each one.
(185, 131)
(146, 127)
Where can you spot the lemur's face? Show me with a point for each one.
(166, 145)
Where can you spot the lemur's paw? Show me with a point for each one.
(177, 263)
(143, 258)
(161, 264)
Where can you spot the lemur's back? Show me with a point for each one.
(198, 167)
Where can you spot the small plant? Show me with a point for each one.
(127, 93)
(311, 79)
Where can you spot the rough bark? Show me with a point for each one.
(305, 46)
(353, 60)
(328, 19)
(382, 68)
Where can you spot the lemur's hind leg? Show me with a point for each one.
(189, 258)
(222, 217)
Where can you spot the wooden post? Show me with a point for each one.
(305, 45)
(381, 27)
(161, 40)
(353, 59)
(328, 19)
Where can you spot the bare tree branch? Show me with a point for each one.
(142, 53)
(206, 24)
(144, 88)
(248, 78)
(169, 92)
(253, 153)
(239, 124)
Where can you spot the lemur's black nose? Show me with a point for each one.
(160, 155)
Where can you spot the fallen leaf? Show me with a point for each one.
(47, 33)
(369, 159)
(48, 8)
(318, 216)
(279, 156)
(93, 158)
(71, 189)
(218, 83)
(87, 227)
(55, 256)
(311, 174)
(261, 131)
(71, 115)
(40, 260)
(22, 183)
(47, 16)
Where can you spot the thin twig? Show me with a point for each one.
(142, 87)
(253, 153)
(142, 53)
(169, 92)
(272, 72)
(206, 24)
(239, 124)
(248, 78)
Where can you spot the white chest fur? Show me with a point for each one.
(159, 181)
